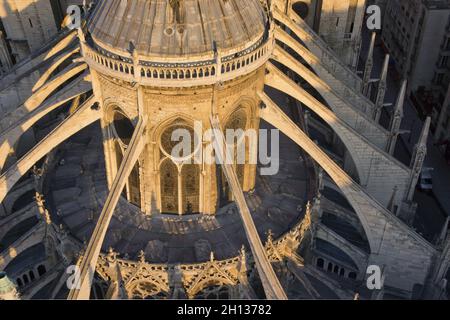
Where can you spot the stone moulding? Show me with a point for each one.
(213, 70)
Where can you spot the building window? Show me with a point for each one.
(438, 78)
(41, 270)
(320, 263)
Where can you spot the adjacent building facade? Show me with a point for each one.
(338, 22)
(417, 35)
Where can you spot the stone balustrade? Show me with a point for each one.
(206, 72)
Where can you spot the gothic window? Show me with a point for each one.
(169, 187)
(168, 141)
(330, 267)
(179, 180)
(190, 177)
(237, 121)
(134, 186)
(41, 270)
(320, 263)
(123, 127)
(119, 158)
(123, 132)
(336, 269)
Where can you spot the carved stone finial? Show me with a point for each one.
(242, 252)
(243, 261)
(269, 236)
(37, 172)
(308, 207)
(317, 199)
(111, 256)
(81, 35)
(85, 244)
(141, 256)
(47, 217)
(39, 199)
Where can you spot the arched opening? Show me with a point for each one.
(23, 201)
(190, 177)
(123, 127)
(123, 130)
(320, 263)
(341, 259)
(301, 8)
(351, 230)
(168, 142)
(25, 279)
(41, 270)
(332, 141)
(169, 187)
(98, 289)
(330, 267)
(134, 186)
(119, 158)
(31, 274)
(216, 292)
(17, 231)
(147, 291)
(25, 258)
(179, 178)
(222, 187)
(236, 126)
